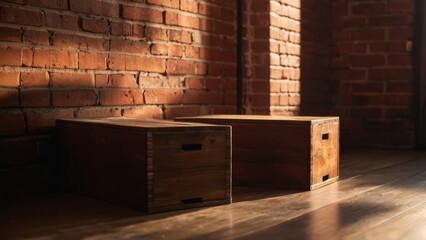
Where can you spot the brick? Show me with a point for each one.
(175, 51)
(189, 6)
(388, 47)
(403, 33)
(399, 60)
(194, 83)
(123, 81)
(10, 56)
(178, 67)
(95, 7)
(213, 84)
(207, 9)
(171, 18)
(36, 37)
(21, 16)
(367, 35)
(387, 21)
(9, 34)
(349, 74)
(170, 3)
(44, 122)
(345, 48)
(144, 112)
(54, 4)
(120, 97)
(390, 74)
(142, 14)
(9, 79)
(73, 98)
(192, 52)
(94, 112)
(122, 45)
(121, 29)
(96, 61)
(72, 80)
(163, 96)
(228, 14)
(101, 80)
(80, 42)
(172, 112)
(49, 58)
(188, 21)
(120, 62)
(34, 79)
(35, 98)
(138, 30)
(95, 25)
(369, 8)
(395, 6)
(9, 97)
(367, 61)
(156, 34)
(61, 21)
(202, 97)
(180, 36)
(11, 124)
(159, 49)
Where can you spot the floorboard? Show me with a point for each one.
(381, 195)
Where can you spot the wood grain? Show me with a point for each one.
(383, 198)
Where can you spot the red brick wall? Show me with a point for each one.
(92, 58)
(373, 68)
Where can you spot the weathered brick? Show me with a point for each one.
(80, 42)
(180, 36)
(122, 81)
(367, 61)
(36, 37)
(44, 122)
(120, 62)
(9, 97)
(73, 98)
(400, 6)
(55, 58)
(35, 79)
(189, 6)
(120, 97)
(9, 79)
(202, 97)
(72, 80)
(178, 67)
(188, 21)
(194, 83)
(163, 96)
(10, 56)
(9, 34)
(159, 49)
(175, 51)
(92, 60)
(171, 18)
(95, 25)
(121, 29)
(144, 112)
(155, 34)
(369, 8)
(11, 124)
(61, 21)
(95, 7)
(142, 14)
(21, 16)
(170, 3)
(35, 98)
(54, 4)
(93, 112)
(122, 45)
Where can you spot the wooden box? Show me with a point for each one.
(151, 165)
(279, 151)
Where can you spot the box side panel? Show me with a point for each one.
(325, 153)
(105, 162)
(190, 167)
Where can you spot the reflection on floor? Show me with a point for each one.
(381, 195)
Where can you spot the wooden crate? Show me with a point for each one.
(151, 165)
(290, 152)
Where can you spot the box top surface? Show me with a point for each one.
(138, 122)
(263, 118)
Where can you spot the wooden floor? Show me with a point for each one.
(381, 195)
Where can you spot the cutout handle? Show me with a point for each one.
(191, 201)
(325, 178)
(325, 136)
(191, 147)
